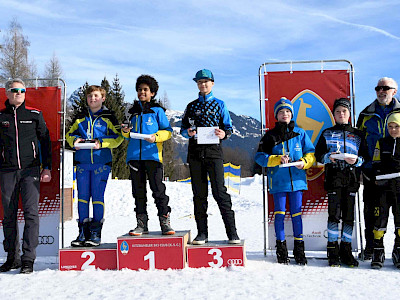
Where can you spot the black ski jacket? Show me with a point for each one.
(24, 138)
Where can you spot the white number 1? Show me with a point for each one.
(152, 262)
(216, 257)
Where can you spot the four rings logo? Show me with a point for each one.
(46, 239)
(235, 262)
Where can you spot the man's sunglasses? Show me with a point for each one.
(383, 87)
(16, 90)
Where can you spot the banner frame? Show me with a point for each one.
(262, 99)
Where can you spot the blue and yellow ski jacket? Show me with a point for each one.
(285, 139)
(147, 118)
(103, 126)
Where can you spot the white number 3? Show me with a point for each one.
(217, 256)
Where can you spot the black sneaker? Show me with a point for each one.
(27, 267)
(10, 264)
(282, 253)
(233, 238)
(200, 239)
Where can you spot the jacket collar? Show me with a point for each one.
(395, 104)
(207, 97)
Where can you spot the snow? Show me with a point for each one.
(262, 278)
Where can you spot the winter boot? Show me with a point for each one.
(202, 232)
(281, 252)
(333, 254)
(378, 256)
(141, 227)
(84, 233)
(298, 253)
(346, 256)
(11, 263)
(27, 267)
(396, 255)
(165, 223)
(95, 234)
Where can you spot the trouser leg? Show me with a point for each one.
(83, 182)
(138, 179)
(155, 173)
(295, 202)
(98, 186)
(199, 181)
(279, 213)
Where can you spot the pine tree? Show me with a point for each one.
(53, 70)
(115, 102)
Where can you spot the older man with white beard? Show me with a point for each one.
(372, 121)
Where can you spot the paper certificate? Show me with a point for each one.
(139, 136)
(206, 135)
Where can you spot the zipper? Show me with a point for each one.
(290, 172)
(34, 150)
(16, 137)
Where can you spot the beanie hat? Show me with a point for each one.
(342, 102)
(283, 103)
(394, 118)
(204, 74)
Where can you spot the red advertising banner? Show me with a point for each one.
(48, 100)
(312, 94)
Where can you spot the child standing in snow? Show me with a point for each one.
(283, 144)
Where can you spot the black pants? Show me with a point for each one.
(214, 168)
(24, 183)
(370, 198)
(341, 206)
(388, 199)
(154, 171)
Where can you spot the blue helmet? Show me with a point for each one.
(204, 74)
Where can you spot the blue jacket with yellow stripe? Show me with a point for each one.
(147, 118)
(373, 122)
(285, 139)
(103, 126)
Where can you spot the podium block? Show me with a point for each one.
(216, 254)
(152, 251)
(103, 257)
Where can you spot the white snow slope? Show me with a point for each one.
(262, 278)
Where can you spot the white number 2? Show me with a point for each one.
(217, 256)
(152, 262)
(90, 259)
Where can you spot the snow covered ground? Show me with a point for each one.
(262, 278)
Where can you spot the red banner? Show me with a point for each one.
(312, 94)
(48, 100)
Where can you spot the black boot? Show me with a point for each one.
(165, 223)
(298, 253)
(333, 254)
(11, 263)
(141, 228)
(95, 234)
(281, 252)
(378, 256)
(230, 227)
(84, 233)
(202, 232)
(346, 256)
(27, 267)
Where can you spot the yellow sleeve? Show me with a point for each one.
(274, 160)
(309, 160)
(162, 136)
(377, 152)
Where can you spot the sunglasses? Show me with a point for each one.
(383, 87)
(17, 90)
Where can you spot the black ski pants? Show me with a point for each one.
(341, 206)
(214, 168)
(139, 169)
(388, 199)
(370, 198)
(24, 183)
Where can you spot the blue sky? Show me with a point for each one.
(173, 39)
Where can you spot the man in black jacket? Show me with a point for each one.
(25, 146)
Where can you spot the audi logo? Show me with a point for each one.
(46, 239)
(235, 262)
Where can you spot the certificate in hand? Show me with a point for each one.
(292, 164)
(342, 156)
(206, 135)
(139, 136)
(388, 176)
